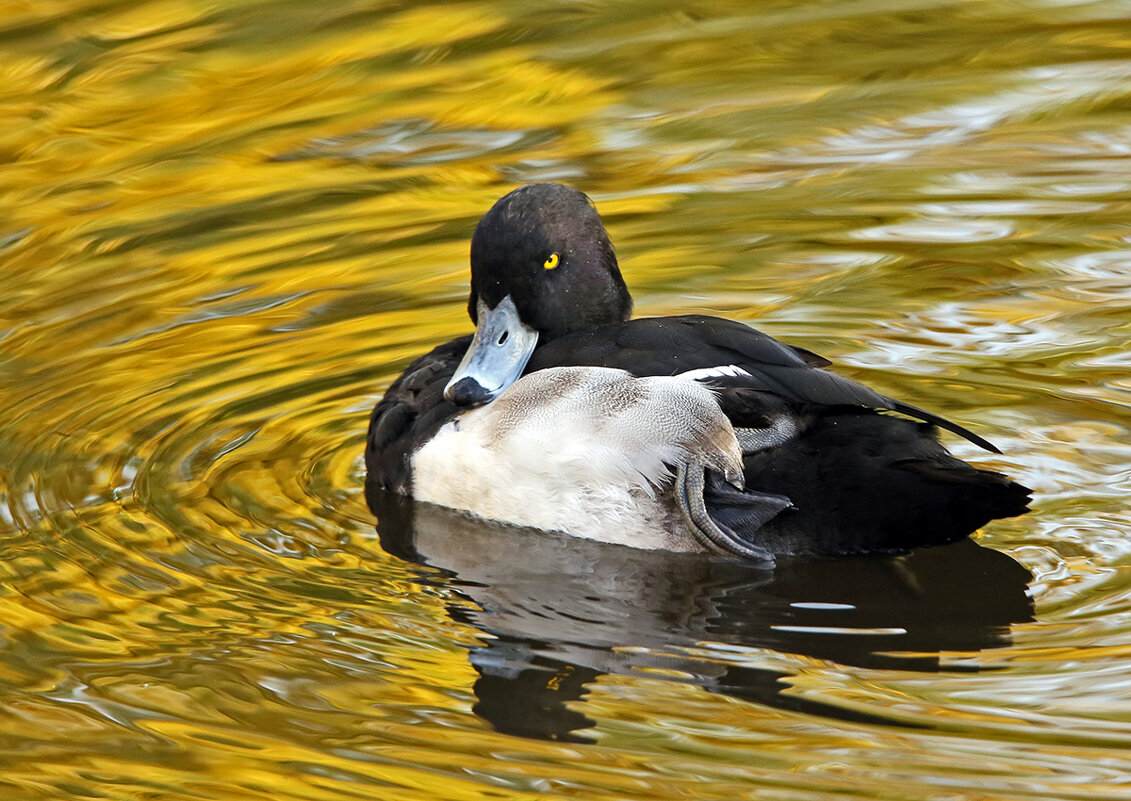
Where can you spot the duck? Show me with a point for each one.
(562, 412)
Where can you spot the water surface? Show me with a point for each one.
(228, 225)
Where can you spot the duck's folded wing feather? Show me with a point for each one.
(673, 345)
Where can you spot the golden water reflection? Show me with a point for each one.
(229, 224)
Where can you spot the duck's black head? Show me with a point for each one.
(545, 246)
(541, 266)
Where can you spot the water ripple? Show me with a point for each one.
(229, 226)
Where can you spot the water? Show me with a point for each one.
(226, 226)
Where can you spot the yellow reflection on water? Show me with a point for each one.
(227, 225)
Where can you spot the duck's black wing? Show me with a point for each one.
(412, 410)
(868, 483)
(671, 345)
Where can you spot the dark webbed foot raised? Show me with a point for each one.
(717, 511)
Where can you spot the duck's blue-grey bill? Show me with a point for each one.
(498, 354)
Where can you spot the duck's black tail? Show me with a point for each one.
(871, 483)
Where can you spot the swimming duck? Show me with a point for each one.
(689, 433)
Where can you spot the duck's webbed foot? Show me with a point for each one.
(717, 512)
(780, 431)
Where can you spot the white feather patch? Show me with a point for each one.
(722, 371)
(584, 450)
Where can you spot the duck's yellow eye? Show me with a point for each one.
(551, 262)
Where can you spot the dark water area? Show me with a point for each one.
(571, 611)
(227, 225)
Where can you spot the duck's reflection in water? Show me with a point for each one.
(563, 611)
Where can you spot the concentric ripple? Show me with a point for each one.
(229, 225)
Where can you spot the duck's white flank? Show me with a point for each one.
(584, 450)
